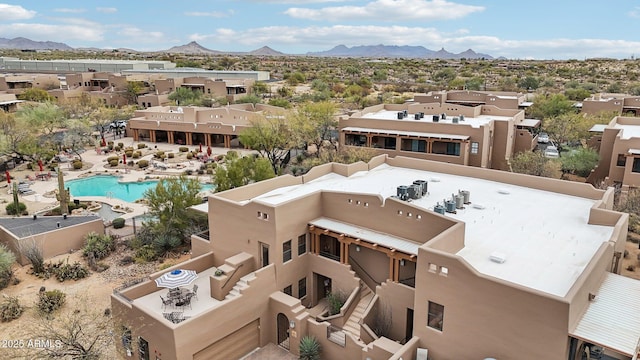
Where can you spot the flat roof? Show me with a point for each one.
(612, 319)
(530, 122)
(405, 133)
(634, 151)
(392, 115)
(598, 127)
(544, 236)
(628, 131)
(26, 226)
(374, 237)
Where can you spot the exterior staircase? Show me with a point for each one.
(242, 284)
(352, 325)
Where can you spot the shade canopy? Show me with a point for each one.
(176, 278)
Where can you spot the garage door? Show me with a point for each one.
(233, 346)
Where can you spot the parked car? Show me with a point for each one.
(551, 152)
(543, 138)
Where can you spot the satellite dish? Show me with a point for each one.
(179, 109)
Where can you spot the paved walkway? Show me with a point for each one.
(270, 352)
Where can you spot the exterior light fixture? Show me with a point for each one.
(358, 248)
(292, 324)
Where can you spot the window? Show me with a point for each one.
(302, 288)
(355, 139)
(288, 290)
(143, 349)
(621, 160)
(446, 148)
(126, 340)
(413, 145)
(636, 165)
(302, 244)
(435, 316)
(286, 251)
(474, 147)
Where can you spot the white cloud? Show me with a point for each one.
(59, 33)
(107, 10)
(298, 2)
(131, 34)
(70, 11)
(15, 12)
(214, 14)
(301, 40)
(635, 13)
(389, 10)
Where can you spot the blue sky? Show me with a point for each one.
(540, 29)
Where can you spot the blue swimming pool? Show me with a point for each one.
(109, 186)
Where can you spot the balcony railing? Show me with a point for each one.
(203, 234)
(330, 256)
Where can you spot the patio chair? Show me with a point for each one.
(166, 302)
(194, 291)
(186, 301)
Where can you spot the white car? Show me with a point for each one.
(543, 138)
(551, 152)
(121, 124)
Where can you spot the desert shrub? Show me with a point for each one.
(171, 155)
(146, 253)
(120, 145)
(34, 254)
(98, 245)
(336, 301)
(159, 154)
(631, 268)
(309, 348)
(200, 172)
(183, 149)
(77, 164)
(111, 158)
(66, 271)
(10, 309)
(118, 223)
(50, 301)
(143, 163)
(189, 156)
(7, 258)
(188, 172)
(116, 148)
(136, 154)
(11, 208)
(142, 146)
(114, 163)
(110, 143)
(128, 152)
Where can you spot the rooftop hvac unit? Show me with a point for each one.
(443, 116)
(450, 206)
(405, 113)
(416, 116)
(400, 115)
(461, 117)
(439, 209)
(455, 119)
(415, 191)
(402, 192)
(423, 185)
(421, 114)
(459, 200)
(466, 195)
(436, 118)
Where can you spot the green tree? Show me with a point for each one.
(238, 171)
(577, 94)
(16, 136)
(580, 161)
(280, 102)
(227, 62)
(44, 117)
(249, 99)
(550, 105)
(134, 88)
(314, 123)
(7, 258)
(534, 163)
(169, 203)
(272, 138)
(568, 127)
(35, 94)
(260, 88)
(184, 96)
(529, 83)
(296, 78)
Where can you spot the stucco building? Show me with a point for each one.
(618, 143)
(190, 125)
(502, 99)
(481, 135)
(465, 262)
(620, 104)
(232, 90)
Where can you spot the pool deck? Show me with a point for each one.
(38, 201)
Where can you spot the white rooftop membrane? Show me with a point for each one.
(628, 131)
(474, 122)
(544, 236)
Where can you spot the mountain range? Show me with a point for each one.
(193, 48)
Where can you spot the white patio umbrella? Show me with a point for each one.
(176, 278)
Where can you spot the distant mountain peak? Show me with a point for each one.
(396, 51)
(192, 48)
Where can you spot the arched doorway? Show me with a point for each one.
(283, 331)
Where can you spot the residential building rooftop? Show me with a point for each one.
(543, 238)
